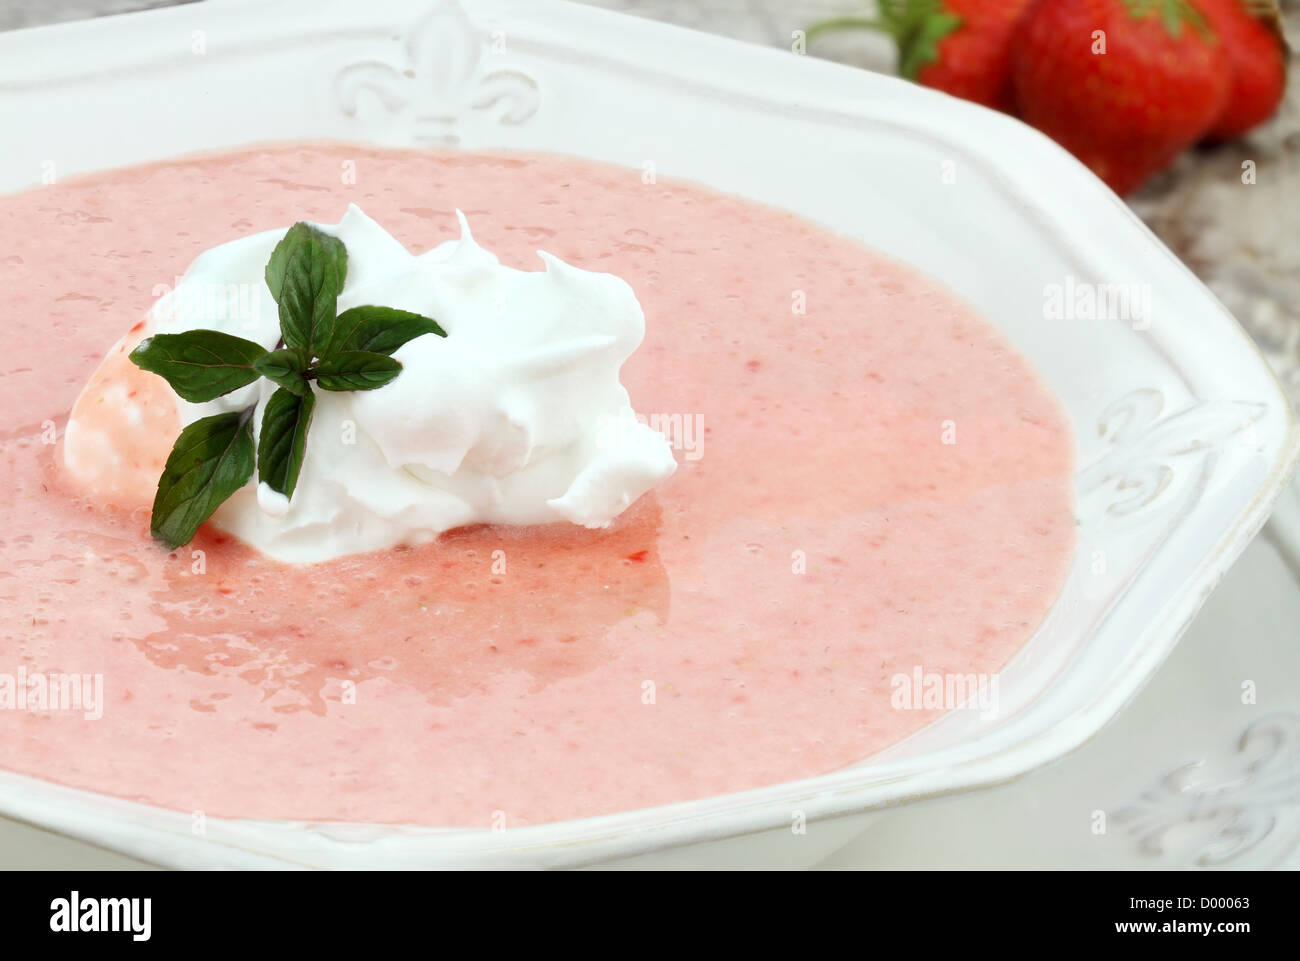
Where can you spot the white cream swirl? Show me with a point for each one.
(506, 420)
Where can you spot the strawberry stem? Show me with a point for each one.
(832, 24)
(1173, 14)
(917, 27)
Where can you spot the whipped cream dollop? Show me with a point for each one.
(517, 416)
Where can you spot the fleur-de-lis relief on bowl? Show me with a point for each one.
(1221, 816)
(440, 78)
(1145, 448)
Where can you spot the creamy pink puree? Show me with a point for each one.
(523, 692)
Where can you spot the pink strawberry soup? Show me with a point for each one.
(738, 626)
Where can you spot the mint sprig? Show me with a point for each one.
(286, 367)
(215, 456)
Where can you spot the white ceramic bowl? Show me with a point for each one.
(1184, 436)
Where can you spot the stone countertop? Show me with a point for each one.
(34, 13)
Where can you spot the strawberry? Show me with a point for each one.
(958, 46)
(1252, 41)
(1124, 85)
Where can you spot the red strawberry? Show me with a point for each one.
(958, 46)
(1160, 83)
(1253, 43)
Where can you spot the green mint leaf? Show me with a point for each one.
(309, 297)
(355, 370)
(211, 460)
(279, 262)
(285, 368)
(200, 365)
(283, 441)
(379, 330)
